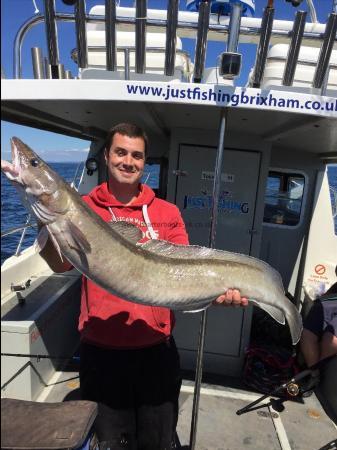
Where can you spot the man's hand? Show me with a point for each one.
(231, 297)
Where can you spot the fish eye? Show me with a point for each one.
(34, 162)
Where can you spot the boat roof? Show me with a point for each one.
(86, 108)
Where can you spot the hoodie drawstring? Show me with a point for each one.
(148, 223)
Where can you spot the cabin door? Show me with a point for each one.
(227, 328)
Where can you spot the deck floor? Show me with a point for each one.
(302, 425)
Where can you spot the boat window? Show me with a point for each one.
(283, 198)
(151, 175)
(155, 173)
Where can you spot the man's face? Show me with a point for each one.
(126, 159)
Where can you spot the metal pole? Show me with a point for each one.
(202, 330)
(141, 11)
(262, 50)
(294, 48)
(81, 34)
(200, 48)
(37, 59)
(68, 75)
(51, 34)
(110, 35)
(325, 53)
(234, 27)
(171, 36)
(126, 64)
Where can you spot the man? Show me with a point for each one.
(129, 363)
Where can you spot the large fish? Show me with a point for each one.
(155, 273)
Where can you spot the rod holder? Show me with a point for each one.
(294, 48)
(141, 11)
(262, 50)
(37, 59)
(61, 72)
(110, 35)
(47, 69)
(51, 35)
(171, 36)
(126, 64)
(81, 34)
(325, 53)
(201, 44)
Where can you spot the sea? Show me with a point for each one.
(14, 214)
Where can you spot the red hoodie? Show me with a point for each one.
(107, 320)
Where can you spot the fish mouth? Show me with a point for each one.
(12, 170)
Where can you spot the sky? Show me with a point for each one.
(54, 147)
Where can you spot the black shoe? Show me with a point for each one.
(311, 382)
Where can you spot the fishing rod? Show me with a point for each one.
(39, 357)
(292, 387)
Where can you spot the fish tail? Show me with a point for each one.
(294, 320)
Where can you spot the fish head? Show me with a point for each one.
(38, 185)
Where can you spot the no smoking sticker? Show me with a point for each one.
(320, 269)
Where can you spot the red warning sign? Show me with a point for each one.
(320, 269)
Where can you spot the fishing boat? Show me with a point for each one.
(246, 165)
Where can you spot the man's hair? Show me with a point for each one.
(126, 129)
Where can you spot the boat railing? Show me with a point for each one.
(236, 28)
(76, 179)
(23, 228)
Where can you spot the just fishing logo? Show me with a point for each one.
(225, 204)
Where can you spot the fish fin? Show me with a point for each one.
(79, 241)
(127, 230)
(273, 311)
(191, 310)
(56, 245)
(195, 310)
(41, 239)
(178, 251)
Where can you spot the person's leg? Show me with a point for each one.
(310, 347)
(158, 394)
(328, 345)
(104, 379)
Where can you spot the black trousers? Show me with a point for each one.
(137, 394)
